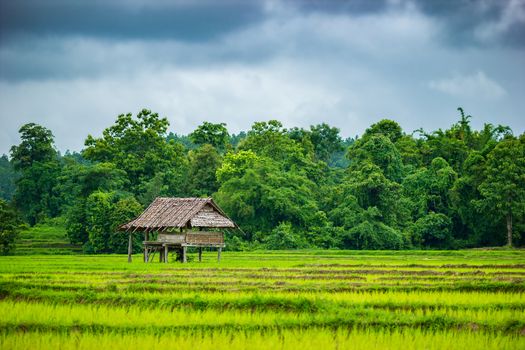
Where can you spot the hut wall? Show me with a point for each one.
(171, 238)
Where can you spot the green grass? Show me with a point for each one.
(283, 299)
(45, 238)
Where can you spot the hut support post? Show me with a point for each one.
(200, 254)
(184, 259)
(166, 254)
(146, 238)
(219, 255)
(130, 246)
(161, 254)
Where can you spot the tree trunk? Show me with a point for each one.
(509, 229)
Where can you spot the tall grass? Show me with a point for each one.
(281, 300)
(314, 338)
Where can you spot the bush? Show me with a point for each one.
(326, 237)
(103, 213)
(373, 235)
(433, 231)
(284, 237)
(10, 226)
(234, 243)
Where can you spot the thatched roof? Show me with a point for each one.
(164, 213)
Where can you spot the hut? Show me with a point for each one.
(179, 223)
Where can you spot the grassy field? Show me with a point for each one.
(267, 300)
(46, 238)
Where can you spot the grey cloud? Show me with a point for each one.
(199, 21)
(302, 66)
(184, 21)
(477, 85)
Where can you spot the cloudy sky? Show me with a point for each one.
(73, 66)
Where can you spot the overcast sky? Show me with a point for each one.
(73, 66)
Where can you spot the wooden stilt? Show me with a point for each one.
(146, 237)
(130, 246)
(219, 255)
(184, 259)
(200, 254)
(161, 254)
(166, 254)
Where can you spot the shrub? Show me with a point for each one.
(433, 230)
(373, 235)
(284, 237)
(10, 225)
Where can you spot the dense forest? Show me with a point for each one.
(286, 188)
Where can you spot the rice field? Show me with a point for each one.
(266, 300)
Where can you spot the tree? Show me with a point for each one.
(385, 127)
(212, 134)
(236, 165)
(138, 146)
(371, 233)
(262, 195)
(123, 210)
(326, 141)
(284, 237)
(503, 189)
(104, 212)
(270, 139)
(77, 183)
(371, 188)
(10, 225)
(8, 178)
(478, 227)
(37, 162)
(433, 230)
(36, 146)
(429, 188)
(204, 163)
(379, 150)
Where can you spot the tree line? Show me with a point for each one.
(286, 188)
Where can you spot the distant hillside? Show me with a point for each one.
(46, 238)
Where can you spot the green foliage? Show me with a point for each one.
(368, 184)
(7, 178)
(10, 226)
(104, 212)
(203, 164)
(138, 146)
(286, 188)
(386, 127)
(432, 230)
(325, 140)
(36, 160)
(503, 189)
(36, 146)
(265, 195)
(284, 237)
(46, 238)
(211, 134)
(373, 235)
(380, 151)
(184, 140)
(77, 183)
(123, 211)
(429, 189)
(270, 139)
(236, 165)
